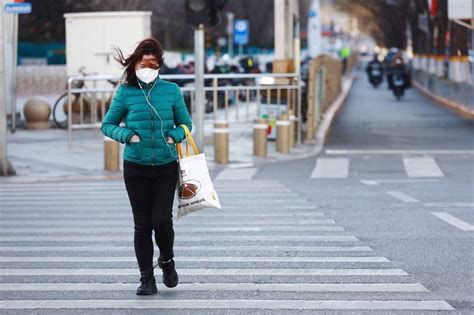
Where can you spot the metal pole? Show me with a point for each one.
(230, 33)
(472, 45)
(5, 166)
(198, 118)
(13, 83)
(298, 111)
(280, 29)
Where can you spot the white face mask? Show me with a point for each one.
(146, 75)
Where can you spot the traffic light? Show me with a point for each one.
(203, 11)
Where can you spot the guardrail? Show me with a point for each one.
(87, 105)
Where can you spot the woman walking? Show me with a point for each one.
(153, 111)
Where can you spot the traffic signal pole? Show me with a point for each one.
(198, 115)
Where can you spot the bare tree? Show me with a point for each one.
(387, 22)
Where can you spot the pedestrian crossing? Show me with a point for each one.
(410, 167)
(67, 246)
(425, 168)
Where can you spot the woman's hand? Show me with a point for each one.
(135, 138)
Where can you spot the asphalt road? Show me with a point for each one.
(380, 222)
(388, 167)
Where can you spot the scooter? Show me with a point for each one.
(375, 76)
(398, 84)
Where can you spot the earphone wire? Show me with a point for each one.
(161, 120)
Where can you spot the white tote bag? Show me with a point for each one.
(195, 189)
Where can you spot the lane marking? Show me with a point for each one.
(422, 167)
(268, 287)
(241, 165)
(402, 196)
(450, 204)
(372, 182)
(450, 219)
(197, 238)
(331, 168)
(209, 272)
(230, 248)
(338, 259)
(236, 174)
(369, 182)
(397, 152)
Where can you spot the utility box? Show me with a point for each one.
(90, 37)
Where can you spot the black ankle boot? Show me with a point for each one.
(170, 276)
(147, 284)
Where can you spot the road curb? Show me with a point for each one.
(459, 109)
(326, 124)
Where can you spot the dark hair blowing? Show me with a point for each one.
(148, 46)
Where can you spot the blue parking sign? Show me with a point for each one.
(18, 8)
(241, 32)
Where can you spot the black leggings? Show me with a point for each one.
(151, 192)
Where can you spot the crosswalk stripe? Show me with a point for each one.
(268, 287)
(100, 230)
(209, 272)
(197, 238)
(105, 191)
(128, 223)
(402, 196)
(226, 304)
(113, 202)
(338, 259)
(213, 214)
(243, 188)
(230, 248)
(331, 168)
(422, 167)
(236, 174)
(125, 207)
(120, 183)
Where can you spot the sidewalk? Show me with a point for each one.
(44, 154)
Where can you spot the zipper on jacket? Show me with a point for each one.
(152, 135)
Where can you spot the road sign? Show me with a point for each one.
(241, 32)
(460, 9)
(18, 8)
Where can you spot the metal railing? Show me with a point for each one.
(87, 105)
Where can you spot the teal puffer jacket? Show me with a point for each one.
(130, 104)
